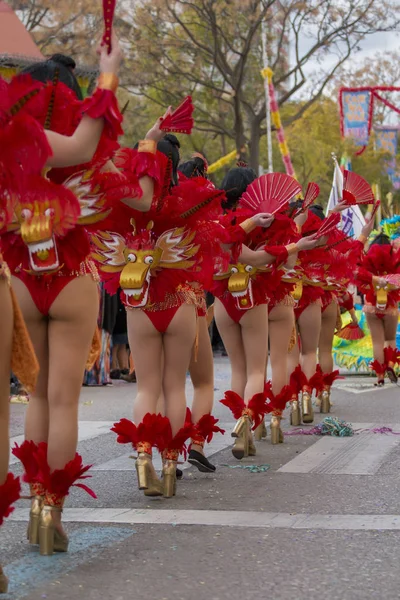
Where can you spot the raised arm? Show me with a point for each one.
(81, 146)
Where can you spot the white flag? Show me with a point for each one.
(352, 220)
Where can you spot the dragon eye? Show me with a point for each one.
(248, 268)
(49, 212)
(234, 270)
(26, 213)
(131, 257)
(148, 260)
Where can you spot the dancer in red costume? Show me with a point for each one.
(158, 265)
(201, 366)
(23, 149)
(56, 284)
(376, 278)
(241, 312)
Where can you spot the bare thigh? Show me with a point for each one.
(146, 345)
(37, 415)
(202, 364)
(376, 329)
(231, 335)
(390, 324)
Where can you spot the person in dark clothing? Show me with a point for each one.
(119, 355)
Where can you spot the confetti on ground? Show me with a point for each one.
(250, 468)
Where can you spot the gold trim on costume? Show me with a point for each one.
(147, 146)
(108, 81)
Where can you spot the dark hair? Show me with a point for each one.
(195, 167)
(62, 65)
(318, 211)
(381, 240)
(235, 183)
(169, 146)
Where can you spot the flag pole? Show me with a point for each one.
(267, 98)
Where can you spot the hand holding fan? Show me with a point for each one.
(270, 193)
(108, 16)
(311, 195)
(328, 225)
(356, 190)
(181, 120)
(351, 332)
(393, 279)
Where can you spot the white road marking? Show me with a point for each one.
(88, 430)
(361, 454)
(220, 518)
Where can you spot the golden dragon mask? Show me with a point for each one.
(139, 256)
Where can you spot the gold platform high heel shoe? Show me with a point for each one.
(174, 446)
(241, 445)
(58, 484)
(144, 437)
(51, 539)
(325, 406)
(306, 407)
(34, 517)
(3, 582)
(253, 412)
(295, 414)
(169, 478)
(260, 432)
(27, 453)
(147, 477)
(10, 492)
(276, 431)
(278, 403)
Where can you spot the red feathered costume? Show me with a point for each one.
(47, 243)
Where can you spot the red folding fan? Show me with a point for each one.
(392, 279)
(351, 332)
(181, 120)
(328, 225)
(108, 16)
(356, 190)
(312, 194)
(270, 193)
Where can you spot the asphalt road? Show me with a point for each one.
(320, 518)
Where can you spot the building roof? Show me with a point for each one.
(14, 38)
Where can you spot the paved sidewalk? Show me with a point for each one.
(323, 520)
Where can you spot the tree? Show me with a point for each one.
(212, 49)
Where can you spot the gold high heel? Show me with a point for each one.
(147, 477)
(34, 517)
(50, 539)
(326, 402)
(3, 582)
(295, 415)
(243, 445)
(276, 431)
(169, 478)
(306, 406)
(260, 432)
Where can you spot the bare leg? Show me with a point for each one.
(202, 376)
(254, 326)
(114, 358)
(37, 414)
(281, 323)
(378, 336)
(390, 323)
(294, 355)
(146, 346)
(123, 359)
(73, 318)
(310, 328)
(328, 325)
(6, 328)
(178, 345)
(232, 338)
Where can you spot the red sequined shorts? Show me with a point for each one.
(44, 289)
